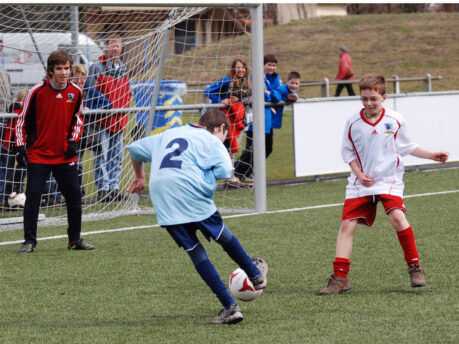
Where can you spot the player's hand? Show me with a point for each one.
(21, 156)
(72, 150)
(226, 101)
(366, 180)
(441, 156)
(292, 97)
(137, 186)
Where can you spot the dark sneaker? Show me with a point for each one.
(336, 285)
(117, 196)
(417, 276)
(103, 196)
(27, 248)
(81, 245)
(260, 282)
(231, 315)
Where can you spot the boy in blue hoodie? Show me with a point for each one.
(289, 93)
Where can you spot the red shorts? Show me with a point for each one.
(364, 208)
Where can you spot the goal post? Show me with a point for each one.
(171, 55)
(258, 109)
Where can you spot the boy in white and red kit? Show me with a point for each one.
(374, 141)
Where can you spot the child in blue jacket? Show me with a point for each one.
(289, 93)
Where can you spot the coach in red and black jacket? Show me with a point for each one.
(47, 134)
(50, 123)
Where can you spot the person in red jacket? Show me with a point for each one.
(15, 175)
(109, 76)
(345, 72)
(47, 134)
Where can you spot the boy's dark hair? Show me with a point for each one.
(269, 58)
(214, 118)
(373, 81)
(58, 57)
(293, 75)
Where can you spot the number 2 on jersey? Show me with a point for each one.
(168, 161)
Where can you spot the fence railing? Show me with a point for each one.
(395, 81)
(325, 83)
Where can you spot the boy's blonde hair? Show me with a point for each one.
(79, 69)
(21, 95)
(374, 82)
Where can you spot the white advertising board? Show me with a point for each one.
(318, 124)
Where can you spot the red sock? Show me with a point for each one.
(341, 267)
(406, 239)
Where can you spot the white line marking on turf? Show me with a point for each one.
(224, 217)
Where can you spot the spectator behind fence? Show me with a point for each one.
(109, 76)
(289, 94)
(345, 72)
(92, 99)
(231, 90)
(14, 174)
(5, 103)
(47, 133)
(243, 168)
(374, 142)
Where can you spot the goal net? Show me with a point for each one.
(182, 50)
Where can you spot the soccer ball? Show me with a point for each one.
(241, 287)
(16, 200)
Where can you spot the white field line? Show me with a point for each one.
(224, 217)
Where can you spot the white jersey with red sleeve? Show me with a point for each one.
(378, 148)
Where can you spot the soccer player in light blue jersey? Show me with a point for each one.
(185, 164)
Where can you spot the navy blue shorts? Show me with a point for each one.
(185, 233)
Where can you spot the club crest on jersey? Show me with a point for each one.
(389, 128)
(70, 98)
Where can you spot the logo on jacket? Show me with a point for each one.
(59, 96)
(70, 97)
(389, 128)
(374, 133)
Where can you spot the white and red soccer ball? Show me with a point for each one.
(241, 287)
(16, 200)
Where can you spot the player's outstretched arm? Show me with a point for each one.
(423, 153)
(138, 183)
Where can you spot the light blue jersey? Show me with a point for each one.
(185, 164)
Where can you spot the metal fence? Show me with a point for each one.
(325, 83)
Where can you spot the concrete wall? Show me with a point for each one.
(289, 12)
(318, 125)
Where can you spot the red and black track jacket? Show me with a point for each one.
(49, 120)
